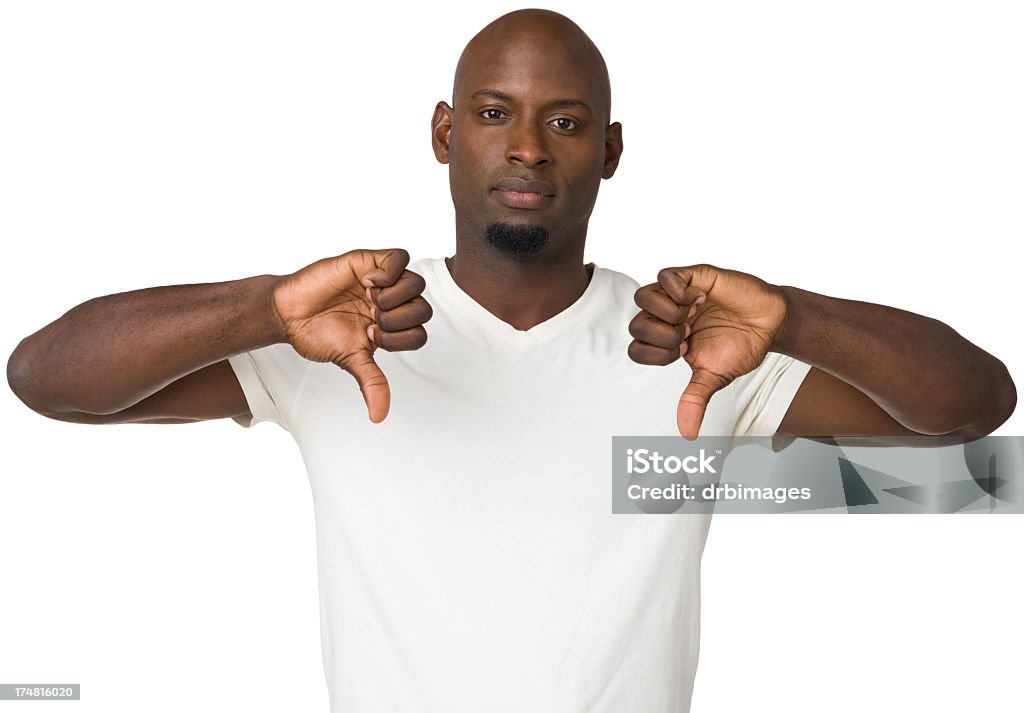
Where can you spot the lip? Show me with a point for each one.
(520, 193)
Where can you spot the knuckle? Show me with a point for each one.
(643, 353)
(420, 338)
(638, 330)
(375, 380)
(635, 352)
(409, 340)
(422, 310)
(671, 278)
(390, 258)
(416, 280)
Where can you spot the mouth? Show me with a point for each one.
(520, 193)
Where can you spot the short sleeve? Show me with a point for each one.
(763, 396)
(270, 379)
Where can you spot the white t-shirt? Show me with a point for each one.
(469, 560)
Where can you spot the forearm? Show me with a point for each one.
(111, 352)
(919, 370)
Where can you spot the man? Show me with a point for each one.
(468, 557)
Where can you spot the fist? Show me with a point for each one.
(341, 309)
(722, 322)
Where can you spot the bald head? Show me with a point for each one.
(529, 139)
(528, 33)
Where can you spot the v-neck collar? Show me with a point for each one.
(468, 308)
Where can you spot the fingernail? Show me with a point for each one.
(370, 332)
(373, 313)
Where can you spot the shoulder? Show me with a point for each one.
(430, 269)
(425, 266)
(617, 281)
(616, 291)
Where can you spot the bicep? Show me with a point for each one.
(827, 406)
(209, 393)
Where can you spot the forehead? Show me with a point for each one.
(529, 68)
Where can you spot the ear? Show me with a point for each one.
(612, 149)
(440, 131)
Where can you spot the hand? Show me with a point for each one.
(722, 322)
(341, 309)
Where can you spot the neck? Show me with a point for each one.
(522, 290)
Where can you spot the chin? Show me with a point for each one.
(518, 238)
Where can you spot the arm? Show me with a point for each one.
(149, 355)
(885, 371)
(159, 355)
(877, 370)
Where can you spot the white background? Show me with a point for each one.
(869, 150)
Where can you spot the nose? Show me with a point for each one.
(527, 146)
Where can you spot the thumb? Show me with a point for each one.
(372, 382)
(694, 401)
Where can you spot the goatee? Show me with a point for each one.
(517, 239)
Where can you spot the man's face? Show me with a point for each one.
(528, 141)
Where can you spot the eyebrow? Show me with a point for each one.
(493, 93)
(502, 96)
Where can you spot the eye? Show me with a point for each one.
(492, 114)
(564, 124)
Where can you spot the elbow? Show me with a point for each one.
(19, 376)
(1006, 396)
(23, 380)
(32, 381)
(999, 402)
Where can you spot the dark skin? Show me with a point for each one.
(531, 102)
(158, 355)
(868, 377)
(877, 371)
(532, 108)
